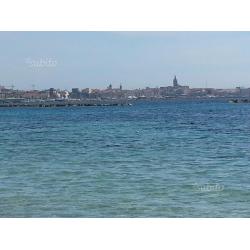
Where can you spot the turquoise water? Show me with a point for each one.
(153, 159)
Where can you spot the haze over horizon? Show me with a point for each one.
(135, 59)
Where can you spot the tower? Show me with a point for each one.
(175, 82)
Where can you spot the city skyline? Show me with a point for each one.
(134, 59)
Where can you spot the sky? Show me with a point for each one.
(66, 60)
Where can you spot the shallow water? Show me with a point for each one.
(153, 159)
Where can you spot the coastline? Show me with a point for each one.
(13, 103)
(50, 103)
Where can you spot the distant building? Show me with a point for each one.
(52, 93)
(75, 93)
(244, 92)
(175, 82)
(86, 93)
(75, 90)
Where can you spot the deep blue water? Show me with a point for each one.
(152, 159)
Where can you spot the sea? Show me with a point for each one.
(177, 158)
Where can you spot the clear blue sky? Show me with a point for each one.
(135, 59)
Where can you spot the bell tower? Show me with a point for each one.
(175, 82)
